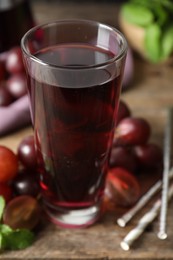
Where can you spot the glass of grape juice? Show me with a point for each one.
(74, 72)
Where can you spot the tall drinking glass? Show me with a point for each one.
(74, 71)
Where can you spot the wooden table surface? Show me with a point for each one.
(149, 95)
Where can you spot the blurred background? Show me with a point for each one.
(102, 10)
(17, 17)
(147, 26)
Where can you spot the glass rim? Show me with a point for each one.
(92, 22)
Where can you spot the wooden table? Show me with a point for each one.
(149, 95)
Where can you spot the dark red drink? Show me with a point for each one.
(74, 126)
(74, 79)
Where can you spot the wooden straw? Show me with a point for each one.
(162, 234)
(147, 219)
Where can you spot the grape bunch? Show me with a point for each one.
(19, 185)
(132, 152)
(12, 76)
(132, 138)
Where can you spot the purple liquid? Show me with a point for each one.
(74, 126)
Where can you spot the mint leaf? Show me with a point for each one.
(15, 239)
(2, 206)
(147, 3)
(167, 42)
(161, 14)
(18, 239)
(4, 229)
(153, 42)
(1, 241)
(168, 4)
(136, 14)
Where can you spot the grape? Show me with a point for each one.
(122, 188)
(14, 62)
(132, 131)
(123, 157)
(8, 164)
(22, 212)
(26, 183)
(123, 111)
(5, 97)
(5, 191)
(16, 85)
(149, 155)
(27, 153)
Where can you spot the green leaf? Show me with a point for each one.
(1, 241)
(147, 3)
(4, 229)
(157, 8)
(3, 245)
(136, 14)
(2, 206)
(153, 42)
(161, 14)
(18, 239)
(167, 42)
(168, 4)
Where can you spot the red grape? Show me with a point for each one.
(132, 131)
(123, 157)
(27, 153)
(5, 97)
(8, 164)
(149, 155)
(123, 111)
(26, 183)
(5, 191)
(22, 212)
(16, 85)
(122, 188)
(14, 61)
